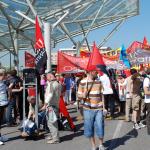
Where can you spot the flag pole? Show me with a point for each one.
(17, 52)
(48, 47)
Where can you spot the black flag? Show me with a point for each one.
(41, 56)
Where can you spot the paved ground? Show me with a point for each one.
(118, 136)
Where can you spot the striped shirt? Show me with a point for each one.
(94, 98)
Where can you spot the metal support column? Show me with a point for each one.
(16, 51)
(48, 46)
(78, 46)
(10, 60)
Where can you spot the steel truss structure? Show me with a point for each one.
(17, 19)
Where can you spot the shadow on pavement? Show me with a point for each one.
(71, 136)
(33, 138)
(14, 138)
(114, 143)
(79, 126)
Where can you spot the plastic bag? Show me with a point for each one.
(29, 127)
(51, 115)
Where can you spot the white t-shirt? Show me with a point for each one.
(107, 89)
(147, 84)
(129, 86)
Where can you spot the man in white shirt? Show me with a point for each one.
(146, 86)
(108, 93)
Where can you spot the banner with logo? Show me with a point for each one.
(70, 64)
(140, 56)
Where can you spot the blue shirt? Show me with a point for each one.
(3, 94)
(69, 82)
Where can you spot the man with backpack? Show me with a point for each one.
(146, 86)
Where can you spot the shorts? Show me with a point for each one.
(136, 102)
(93, 122)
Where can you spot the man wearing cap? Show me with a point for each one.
(52, 96)
(146, 87)
(90, 92)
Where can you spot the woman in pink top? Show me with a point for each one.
(43, 84)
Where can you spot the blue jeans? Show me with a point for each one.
(93, 121)
(68, 96)
(10, 108)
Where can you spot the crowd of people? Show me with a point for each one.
(99, 96)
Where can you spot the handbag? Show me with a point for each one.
(51, 115)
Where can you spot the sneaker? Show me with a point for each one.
(101, 147)
(53, 141)
(49, 138)
(1, 143)
(136, 126)
(141, 125)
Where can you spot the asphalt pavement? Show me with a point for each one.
(119, 135)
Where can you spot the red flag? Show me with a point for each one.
(84, 53)
(95, 59)
(141, 67)
(145, 42)
(127, 72)
(39, 41)
(67, 63)
(29, 60)
(31, 92)
(63, 65)
(135, 45)
(64, 111)
(41, 56)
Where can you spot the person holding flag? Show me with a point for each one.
(92, 100)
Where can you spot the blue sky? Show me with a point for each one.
(134, 29)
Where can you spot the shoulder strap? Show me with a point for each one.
(88, 92)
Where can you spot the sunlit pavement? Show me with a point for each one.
(119, 135)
